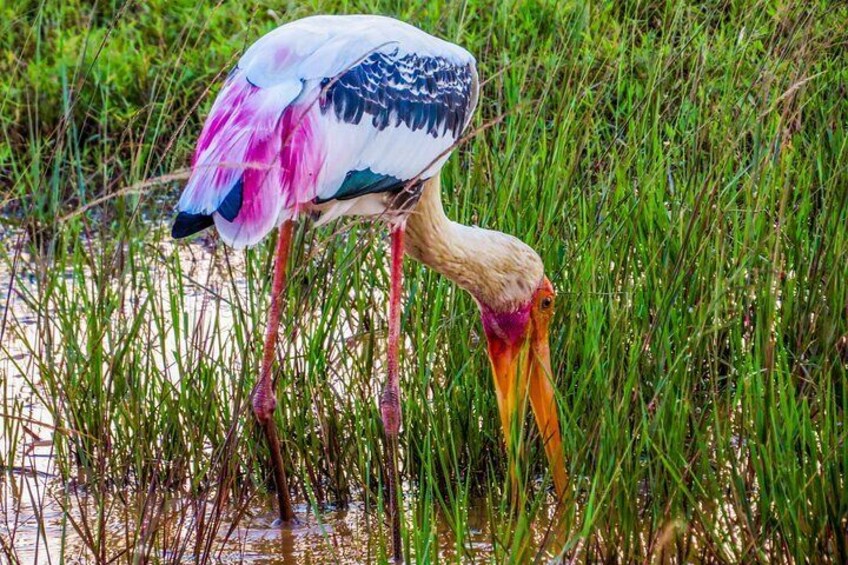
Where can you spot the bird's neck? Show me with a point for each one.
(500, 271)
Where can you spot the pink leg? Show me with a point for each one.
(390, 399)
(263, 397)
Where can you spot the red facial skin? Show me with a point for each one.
(505, 328)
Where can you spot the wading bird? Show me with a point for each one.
(334, 116)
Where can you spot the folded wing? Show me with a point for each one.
(325, 109)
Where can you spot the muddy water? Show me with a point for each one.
(39, 520)
(44, 520)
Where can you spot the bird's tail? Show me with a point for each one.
(245, 163)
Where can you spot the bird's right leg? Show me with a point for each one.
(390, 400)
(263, 397)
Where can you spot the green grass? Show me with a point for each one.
(681, 169)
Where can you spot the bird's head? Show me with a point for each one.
(517, 314)
(516, 303)
(518, 347)
(520, 335)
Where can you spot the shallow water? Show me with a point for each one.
(35, 523)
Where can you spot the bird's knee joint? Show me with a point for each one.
(390, 411)
(264, 405)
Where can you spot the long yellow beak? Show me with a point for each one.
(521, 372)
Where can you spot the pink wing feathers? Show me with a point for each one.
(326, 108)
(255, 151)
(258, 154)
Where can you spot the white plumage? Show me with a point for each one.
(332, 114)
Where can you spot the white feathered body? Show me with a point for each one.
(334, 114)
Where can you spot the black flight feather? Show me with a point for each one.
(188, 224)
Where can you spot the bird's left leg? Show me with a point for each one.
(390, 399)
(263, 398)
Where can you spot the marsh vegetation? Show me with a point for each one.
(680, 167)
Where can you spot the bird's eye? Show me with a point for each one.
(547, 302)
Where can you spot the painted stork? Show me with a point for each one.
(355, 115)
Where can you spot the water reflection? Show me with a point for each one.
(43, 522)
